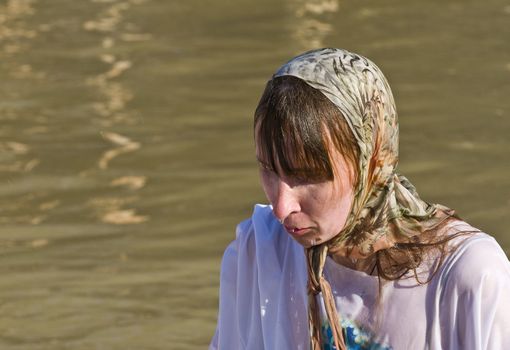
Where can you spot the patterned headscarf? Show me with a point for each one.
(385, 205)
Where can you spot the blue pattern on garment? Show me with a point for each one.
(355, 338)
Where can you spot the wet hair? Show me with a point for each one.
(295, 126)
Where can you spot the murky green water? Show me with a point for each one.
(126, 149)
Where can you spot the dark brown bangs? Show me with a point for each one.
(292, 124)
(291, 120)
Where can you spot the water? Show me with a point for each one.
(126, 153)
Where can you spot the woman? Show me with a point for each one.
(347, 256)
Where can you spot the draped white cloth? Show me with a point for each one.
(263, 301)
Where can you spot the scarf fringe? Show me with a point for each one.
(315, 287)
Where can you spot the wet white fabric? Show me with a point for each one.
(263, 301)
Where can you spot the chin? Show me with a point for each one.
(307, 242)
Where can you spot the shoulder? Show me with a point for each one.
(262, 224)
(477, 261)
(239, 264)
(260, 237)
(245, 231)
(263, 280)
(262, 229)
(473, 289)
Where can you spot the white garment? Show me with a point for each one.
(263, 300)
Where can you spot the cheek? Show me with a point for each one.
(336, 209)
(343, 208)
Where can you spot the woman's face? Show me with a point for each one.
(311, 212)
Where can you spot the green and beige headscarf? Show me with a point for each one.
(386, 205)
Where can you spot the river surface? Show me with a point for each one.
(126, 152)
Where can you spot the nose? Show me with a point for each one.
(285, 201)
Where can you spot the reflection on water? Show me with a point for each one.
(126, 152)
(313, 20)
(17, 156)
(11, 152)
(132, 182)
(110, 211)
(122, 145)
(113, 109)
(14, 38)
(13, 31)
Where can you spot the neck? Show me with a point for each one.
(358, 260)
(366, 265)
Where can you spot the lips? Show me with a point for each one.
(297, 231)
